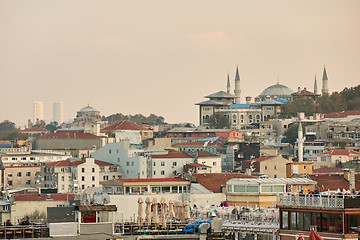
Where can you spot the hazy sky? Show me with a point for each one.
(162, 57)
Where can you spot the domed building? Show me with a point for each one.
(87, 114)
(276, 91)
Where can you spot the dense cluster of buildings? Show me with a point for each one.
(248, 165)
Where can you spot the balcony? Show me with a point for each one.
(317, 201)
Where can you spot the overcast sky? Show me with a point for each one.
(162, 57)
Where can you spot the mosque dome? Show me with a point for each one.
(276, 91)
(88, 109)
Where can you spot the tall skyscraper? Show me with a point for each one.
(58, 112)
(38, 111)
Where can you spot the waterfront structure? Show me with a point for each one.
(261, 192)
(58, 112)
(38, 111)
(333, 217)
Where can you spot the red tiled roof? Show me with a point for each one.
(304, 92)
(73, 163)
(206, 154)
(36, 129)
(130, 180)
(125, 125)
(339, 152)
(172, 155)
(342, 114)
(195, 144)
(70, 134)
(197, 165)
(41, 197)
(328, 170)
(216, 181)
(333, 182)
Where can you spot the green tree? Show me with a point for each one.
(7, 126)
(299, 104)
(53, 126)
(290, 136)
(219, 121)
(8, 131)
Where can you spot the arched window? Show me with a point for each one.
(207, 118)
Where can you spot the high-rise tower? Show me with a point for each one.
(38, 111)
(58, 112)
(237, 90)
(325, 88)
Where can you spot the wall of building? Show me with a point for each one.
(133, 136)
(274, 167)
(131, 164)
(67, 143)
(168, 167)
(127, 206)
(16, 177)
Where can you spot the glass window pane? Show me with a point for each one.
(316, 220)
(239, 188)
(266, 189)
(285, 219)
(292, 217)
(324, 222)
(307, 221)
(300, 220)
(252, 189)
(339, 225)
(279, 188)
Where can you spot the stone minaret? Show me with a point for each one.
(228, 84)
(315, 86)
(237, 90)
(325, 89)
(300, 142)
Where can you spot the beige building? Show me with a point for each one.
(270, 166)
(74, 175)
(298, 168)
(20, 176)
(209, 159)
(338, 156)
(261, 192)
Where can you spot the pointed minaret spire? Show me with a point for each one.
(325, 89)
(315, 86)
(228, 84)
(300, 143)
(237, 90)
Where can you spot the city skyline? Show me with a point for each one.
(163, 57)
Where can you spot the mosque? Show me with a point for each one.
(267, 105)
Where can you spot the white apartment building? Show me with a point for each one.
(132, 161)
(210, 159)
(168, 165)
(38, 111)
(74, 175)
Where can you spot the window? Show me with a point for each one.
(62, 178)
(154, 164)
(109, 150)
(93, 178)
(154, 172)
(162, 164)
(28, 174)
(10, 183)
(162, 172)
(132, 163)
(62, 170)
(174, 164)
(28, 182)
(18, 174)
(83, 178)
(9, 174)
(275, 167)
(118, 159)
(83, 186)
(265, 167)
(214, 163)
(82, 169)
(18, 182)
(93, 169)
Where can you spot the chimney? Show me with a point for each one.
(257, 99)
(299, 90)
(248, 100)
(349, 175)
